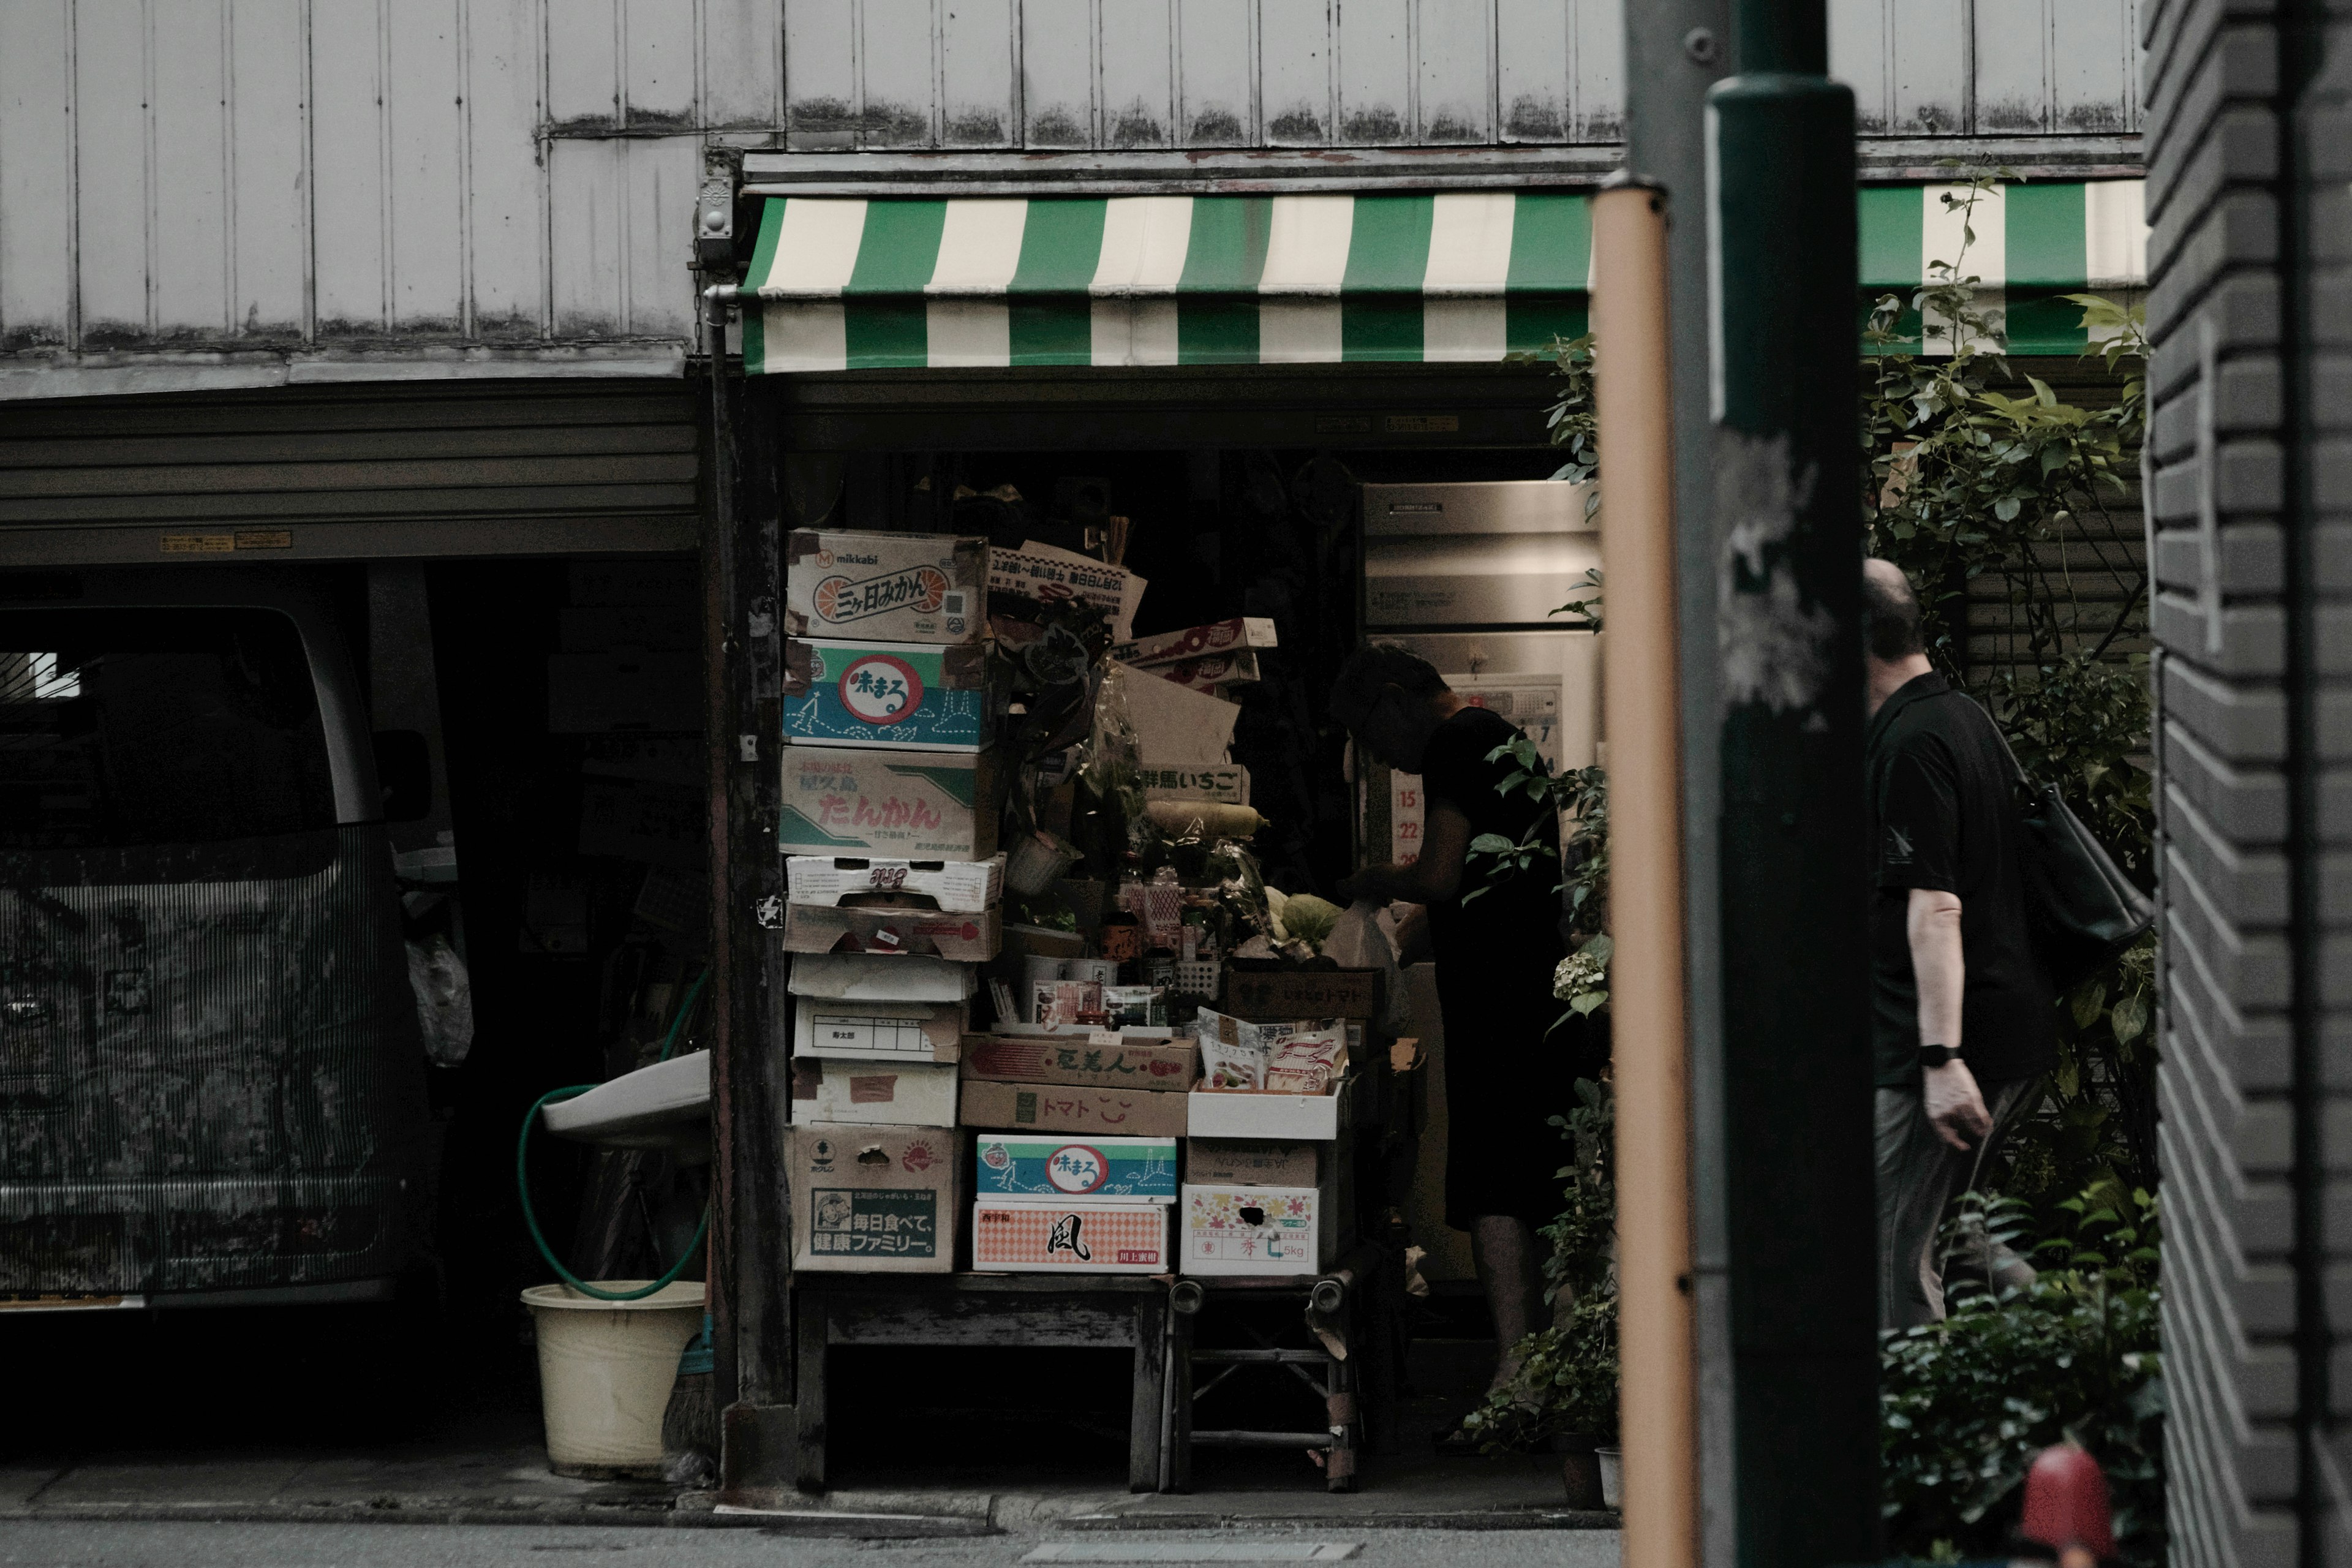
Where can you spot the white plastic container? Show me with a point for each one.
(605, 1370)
(1613, 1477)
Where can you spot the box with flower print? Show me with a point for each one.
(1256, 1230)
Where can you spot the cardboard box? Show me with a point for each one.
(880, 1031)
(1050, 575)
(870, 978)
(660, 824)
(889, 694)
(1278, 996)
(964, 887)
(875, 1200)
(902, 587)
(893, 929)
(1211, 672)
(1226, 783)
(874, 1094)
(1245, 1229)
(1009, 1237)
(1104, 1059)
(917, 805)
(1247, 1163)
(1022, 1167)
(1177, 727)
(1217, 636)
(1069, 1111)
(1253, 1113)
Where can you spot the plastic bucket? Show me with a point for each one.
(605, 1370)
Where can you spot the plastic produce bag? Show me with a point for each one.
(444, 999)
(1358, 941)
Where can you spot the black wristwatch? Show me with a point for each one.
(1939, 1056)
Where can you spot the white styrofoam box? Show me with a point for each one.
(957, 887)
(1240, 1113)
(1012, 1237)
(874, 1094)
(880, 977)
(880, 1031)
(1256, 1230)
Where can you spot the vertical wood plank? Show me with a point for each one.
(742, 64)
(1454, 100)
(1057, 73)
(665, 177)
(1139, 74)
(584, 63)
(1215, 74)
(976, 96)
(1597, 63)
(2012, 64)
(190, 287)
(821, 103)
(899, 84)
(657, 69)
(1374, 59)
(1858, 59)
(2093, 60)
(347, 157)
(1532, 84)
(111, 172)
(37, 187)
(425, 122)
(587, 213)
(1294, 48)
(270, 234)
(1930, 52)
(507, 189)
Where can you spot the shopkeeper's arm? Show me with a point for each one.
(1434, 877)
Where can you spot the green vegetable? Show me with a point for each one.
(1308, 918)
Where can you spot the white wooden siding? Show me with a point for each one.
(2040, 68)
(236, 179)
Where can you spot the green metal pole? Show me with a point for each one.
(1794, 911)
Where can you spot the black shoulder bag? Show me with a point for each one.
(2084, 910)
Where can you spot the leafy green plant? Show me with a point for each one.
(1966, 1405)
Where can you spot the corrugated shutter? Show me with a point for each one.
(306, 473)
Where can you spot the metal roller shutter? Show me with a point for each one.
(312, 473)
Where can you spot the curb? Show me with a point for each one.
(1488, 1519)
(817, 1523)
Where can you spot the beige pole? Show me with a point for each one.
(1640, 699)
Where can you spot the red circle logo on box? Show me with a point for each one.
(880, 688)
(1075, 1168)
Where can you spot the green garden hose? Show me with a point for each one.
(522, 1178)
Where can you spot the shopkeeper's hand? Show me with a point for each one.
(1955, 1107)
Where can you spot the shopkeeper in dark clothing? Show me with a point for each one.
(1508, 1069)
(1961, 1014)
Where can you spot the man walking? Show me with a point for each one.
(1961, 1013)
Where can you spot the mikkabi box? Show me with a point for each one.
(1023, 1167)
(875, 1200)
(896, 587)
(909, 805)
(1012, 1237)
(888, 694)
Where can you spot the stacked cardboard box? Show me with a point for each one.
(893, 885)
(1265, 1180)
(1075, 1162)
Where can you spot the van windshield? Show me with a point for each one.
(151, 726)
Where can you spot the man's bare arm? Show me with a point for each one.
(1939, 969)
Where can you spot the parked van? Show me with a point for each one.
(211, 1086)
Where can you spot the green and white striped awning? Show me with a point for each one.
(848, 284)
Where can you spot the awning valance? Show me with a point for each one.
(848, 284)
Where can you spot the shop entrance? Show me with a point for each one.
(1237, 496)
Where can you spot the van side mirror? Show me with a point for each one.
(404, 772)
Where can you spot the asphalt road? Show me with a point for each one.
(151, 1545)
